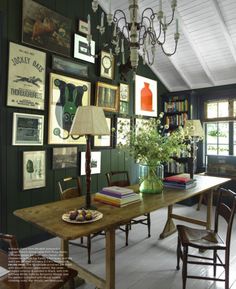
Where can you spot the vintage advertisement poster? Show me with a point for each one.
(26, 77)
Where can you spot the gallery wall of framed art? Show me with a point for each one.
(44, 78)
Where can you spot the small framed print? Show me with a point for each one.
(95, 163)
(124, 107)
(107, 96)
(107, 65)
(124, 92)
(81, 49)
(65, 157)
(34, 170)
(83, 27)
(67, 65)
(104, 140)
(123, 129)
(27, 129)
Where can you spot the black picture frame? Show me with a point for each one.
(69, 66)
(64, 157)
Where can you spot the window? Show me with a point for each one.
(220, 127)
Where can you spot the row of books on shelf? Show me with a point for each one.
(176, 106)
(180, 182)
(176, 119)
(176, 168)
(117, 196)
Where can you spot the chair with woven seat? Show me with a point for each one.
(121, 179)
(29, 274)
(203, 240)
(71, 188)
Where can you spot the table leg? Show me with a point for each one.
(209, 209)
(110, 259)
(170, 227)
(65, 256)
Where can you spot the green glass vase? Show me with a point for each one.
(151, 179)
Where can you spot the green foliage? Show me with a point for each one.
(151, 143)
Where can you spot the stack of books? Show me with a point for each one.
(117, 196)
(180, 182)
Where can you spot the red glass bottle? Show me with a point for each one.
(146, 97)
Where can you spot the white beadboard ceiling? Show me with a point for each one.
(206, 54)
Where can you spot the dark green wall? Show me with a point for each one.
(12, 195)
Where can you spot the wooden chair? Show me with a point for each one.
(121, 179)
(26, 274)
(71, 188)
(203, 239)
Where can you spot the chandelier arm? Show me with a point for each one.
(170, 53)
(148, 60)
(161, 42)
(142, 16)
(172, 18)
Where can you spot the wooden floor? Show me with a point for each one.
(148, 263)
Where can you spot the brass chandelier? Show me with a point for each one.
(143, 32)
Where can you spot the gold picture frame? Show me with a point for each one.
(107, 96)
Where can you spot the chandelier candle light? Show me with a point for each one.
(143, 32)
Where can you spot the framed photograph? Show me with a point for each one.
(26, 77)
(95, 163)
(34, 170)
(124, 92)
(27, 129)
(107, 65)
(123, 128)
(69, 66)
(65, 95)
(64, 157)
(107, 96)
(104, 140)
(46, 29)
(124, 107)
(145, 96)
(81, 49)
(83, 27)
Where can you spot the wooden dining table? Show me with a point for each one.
(49, 218)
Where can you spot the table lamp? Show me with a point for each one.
(89, 121)
(194, 131)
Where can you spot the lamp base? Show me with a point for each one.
(89, 207)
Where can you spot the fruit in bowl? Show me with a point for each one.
(80, 215)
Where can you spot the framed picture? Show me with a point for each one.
(34, 170)
(104, 140)
(27, 129)
(65, 95)
(95, 163)
(81, 49)
(123, 127)
(145, 96)
(83, 27)
(124, 107)
(69, 66)
(107, 96)
(124, 92)
(46, 29)
(139, 123)
(107, 65)
(26, 77)
(64, 157)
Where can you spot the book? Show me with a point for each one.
(110, 202)
(118, 190)
(179, 185)
(117, 200)
(178, 179)
(117, 195)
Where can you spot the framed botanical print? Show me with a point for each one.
(124, 92)
(46, 29)
(83, 27)
(27, 129)
(26, 77)
(81, 49)
(145, 96)
(65, 95)
(123, 129)
(95, 163)
(34, 170)
(107, 65)
(124, 107)
(107, 96)
(104, 140)
(65, 157)
(67, 65)
(139, 123)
